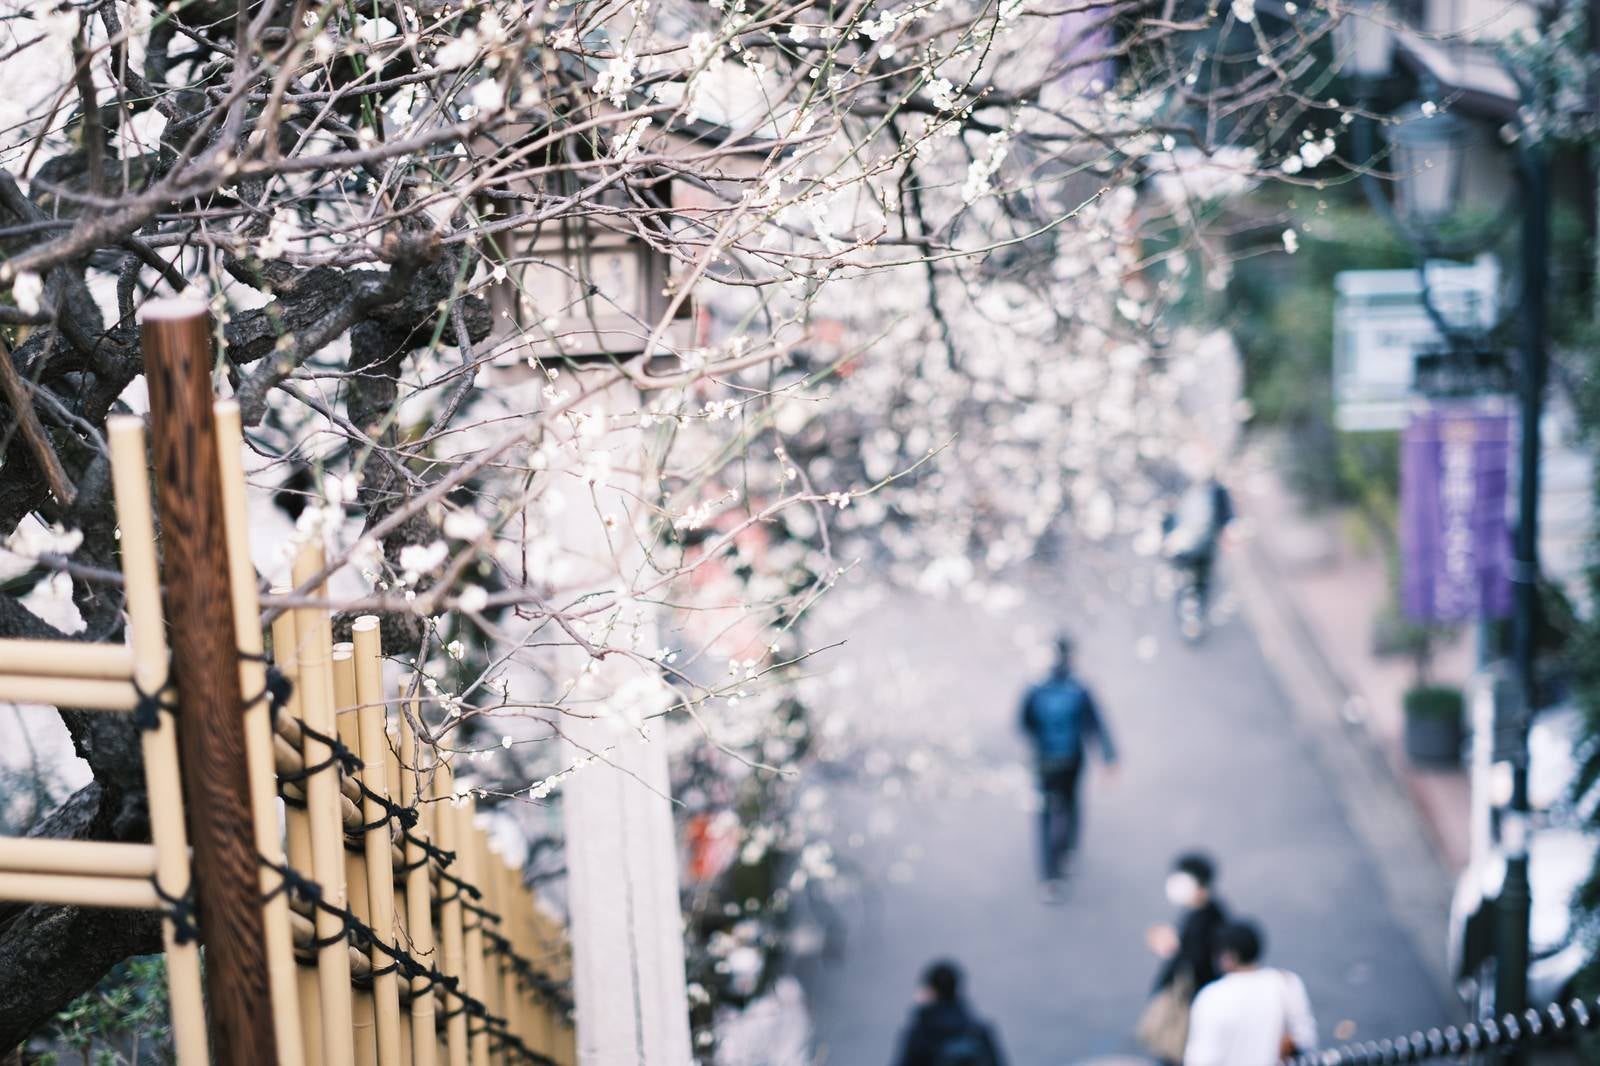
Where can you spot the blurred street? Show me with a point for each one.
(934, 836)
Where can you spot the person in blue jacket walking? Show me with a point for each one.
(1061, 719)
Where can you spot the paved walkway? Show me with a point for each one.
(1337, 586)
(929, 805)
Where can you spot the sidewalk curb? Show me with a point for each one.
(1381, 808)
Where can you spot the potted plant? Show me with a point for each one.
(1434, 724)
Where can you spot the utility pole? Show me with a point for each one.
(628, 980)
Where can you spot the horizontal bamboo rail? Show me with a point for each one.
(66, 658)
(80, 890)
(89, 694)
(42, 855)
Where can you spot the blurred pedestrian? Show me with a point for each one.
(942, 1031)
(1189, 954)
(1060, 717)
(1193, 531)
(1252, 1015)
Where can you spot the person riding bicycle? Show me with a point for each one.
(1193, 530)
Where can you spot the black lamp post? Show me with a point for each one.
(1427, 148)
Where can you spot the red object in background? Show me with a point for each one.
(713, 838)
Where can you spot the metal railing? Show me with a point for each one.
(1555, 1025)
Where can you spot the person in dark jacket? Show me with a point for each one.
(1060, 718)
(1191, 948)
(942, 1031)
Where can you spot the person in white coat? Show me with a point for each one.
(1251, 1016)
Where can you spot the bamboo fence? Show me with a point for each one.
(395, 935)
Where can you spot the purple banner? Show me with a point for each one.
(1085, 45)
(1454, 540)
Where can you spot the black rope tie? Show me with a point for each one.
(461, 886)
(393, 812)
(276, 691)
(482, 912)
(401, 961)
(182, 911)
(148, 706)
(338, 755)
(429, 851)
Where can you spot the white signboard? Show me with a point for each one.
(1379, 326)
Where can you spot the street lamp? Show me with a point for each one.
(1428, 148)
(1365, 40)
(579, 288)
(1428, 151)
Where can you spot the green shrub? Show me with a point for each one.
(1434, 701)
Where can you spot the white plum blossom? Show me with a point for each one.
(629, 146)
(459, 52)
(33, 539)
(981, 171)
(26, 289)
(487, 96)
(597, 467)
(1291, 241)
(617, 79)
(464, 525)
(419, 560)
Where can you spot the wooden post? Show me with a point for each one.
(176, 337)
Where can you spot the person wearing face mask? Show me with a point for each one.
(1188, 953)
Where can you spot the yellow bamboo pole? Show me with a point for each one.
(541, 1025)
(441, 996)
(523, 1020)
(305, 935)
(314, 631)
(558, 964)
(518, 1008)
(42, 855)
(489, 879)
(405, 1043)
(159, 746)
(373, 746)
(90, 694)
(91, 890)
(296, 823)
(402, 935)
(66, 658)
(470, 844)
(419, 902)
(364, 1011)
(297, 826)
(258, 736)
(450, 925)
